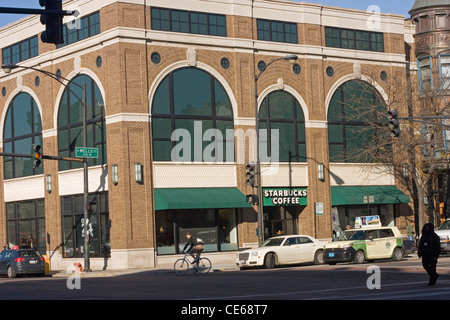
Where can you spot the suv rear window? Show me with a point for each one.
(28, 253)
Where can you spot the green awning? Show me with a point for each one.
(356, 195)
(199, 198)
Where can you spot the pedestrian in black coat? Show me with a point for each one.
(429, 250)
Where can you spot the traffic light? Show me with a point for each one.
(37, 156)
(394, 124)
(250, 174)
(53, 21)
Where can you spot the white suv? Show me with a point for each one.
(444, 234)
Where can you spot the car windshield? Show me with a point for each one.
(272, 242)
(28, 253)
(445, 225)
(352, 235)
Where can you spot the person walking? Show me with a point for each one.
(429, 250)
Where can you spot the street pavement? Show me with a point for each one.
(231, 266)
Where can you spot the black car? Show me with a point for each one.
(21, 261)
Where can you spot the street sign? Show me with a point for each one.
(81, 152)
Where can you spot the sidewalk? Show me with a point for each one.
(120, 272)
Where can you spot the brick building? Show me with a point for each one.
(171, 109)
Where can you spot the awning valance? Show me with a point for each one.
(357, 195)
(199, 198)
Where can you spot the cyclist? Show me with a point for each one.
(194, 247)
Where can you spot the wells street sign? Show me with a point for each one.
(86, 152)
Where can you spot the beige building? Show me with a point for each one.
(171, 109)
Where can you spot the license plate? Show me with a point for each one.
(32, 261)
(242, 262)
(331, 254)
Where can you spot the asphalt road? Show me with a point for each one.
(277, 289)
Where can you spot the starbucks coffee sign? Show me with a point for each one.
(285, 197)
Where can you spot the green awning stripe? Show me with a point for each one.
(354, 195)
(199, 198)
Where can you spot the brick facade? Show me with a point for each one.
(127, 79)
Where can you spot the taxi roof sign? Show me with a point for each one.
(367, 221)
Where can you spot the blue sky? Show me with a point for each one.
(386, 6)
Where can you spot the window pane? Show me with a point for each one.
(192, 94)
(162, 150)
(280, 105)
(199, 23)
(222, 102)
(22, 114)
(286, 141)
(336, 153)
(161, 128)
(161, 102)
(277, 31)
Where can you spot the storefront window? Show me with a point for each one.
(280, 221)
(216, 227)
(72, 214)
(25, 224)
(22, 130)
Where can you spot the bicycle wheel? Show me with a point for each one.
(181, 266)
(204, 265)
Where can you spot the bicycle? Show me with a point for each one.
(181, 266)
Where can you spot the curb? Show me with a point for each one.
(116, 273)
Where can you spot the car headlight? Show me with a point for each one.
(348, 245)
(254, 254)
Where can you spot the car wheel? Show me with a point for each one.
(269, 261)
(359, 257)
(318, 257)
(397, 255)
(11, 272)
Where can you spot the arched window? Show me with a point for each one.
(22, 130)
(281, 111)
(357, 116)
(187, 104)
(70, 122)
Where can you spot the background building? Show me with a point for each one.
(159, 77)
(432, 51)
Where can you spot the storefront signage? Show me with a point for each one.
(284, 197)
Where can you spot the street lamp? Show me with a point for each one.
(7, 69)
(291, 58)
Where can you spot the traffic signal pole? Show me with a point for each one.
(37, 11)
(51, 17)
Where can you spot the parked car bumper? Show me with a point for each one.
(334, 255)
(244, 260)
(37, 268)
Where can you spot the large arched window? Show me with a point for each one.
(187, 103)
(22, 130)
(70, 122)
(281, 111)
(357, 120)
